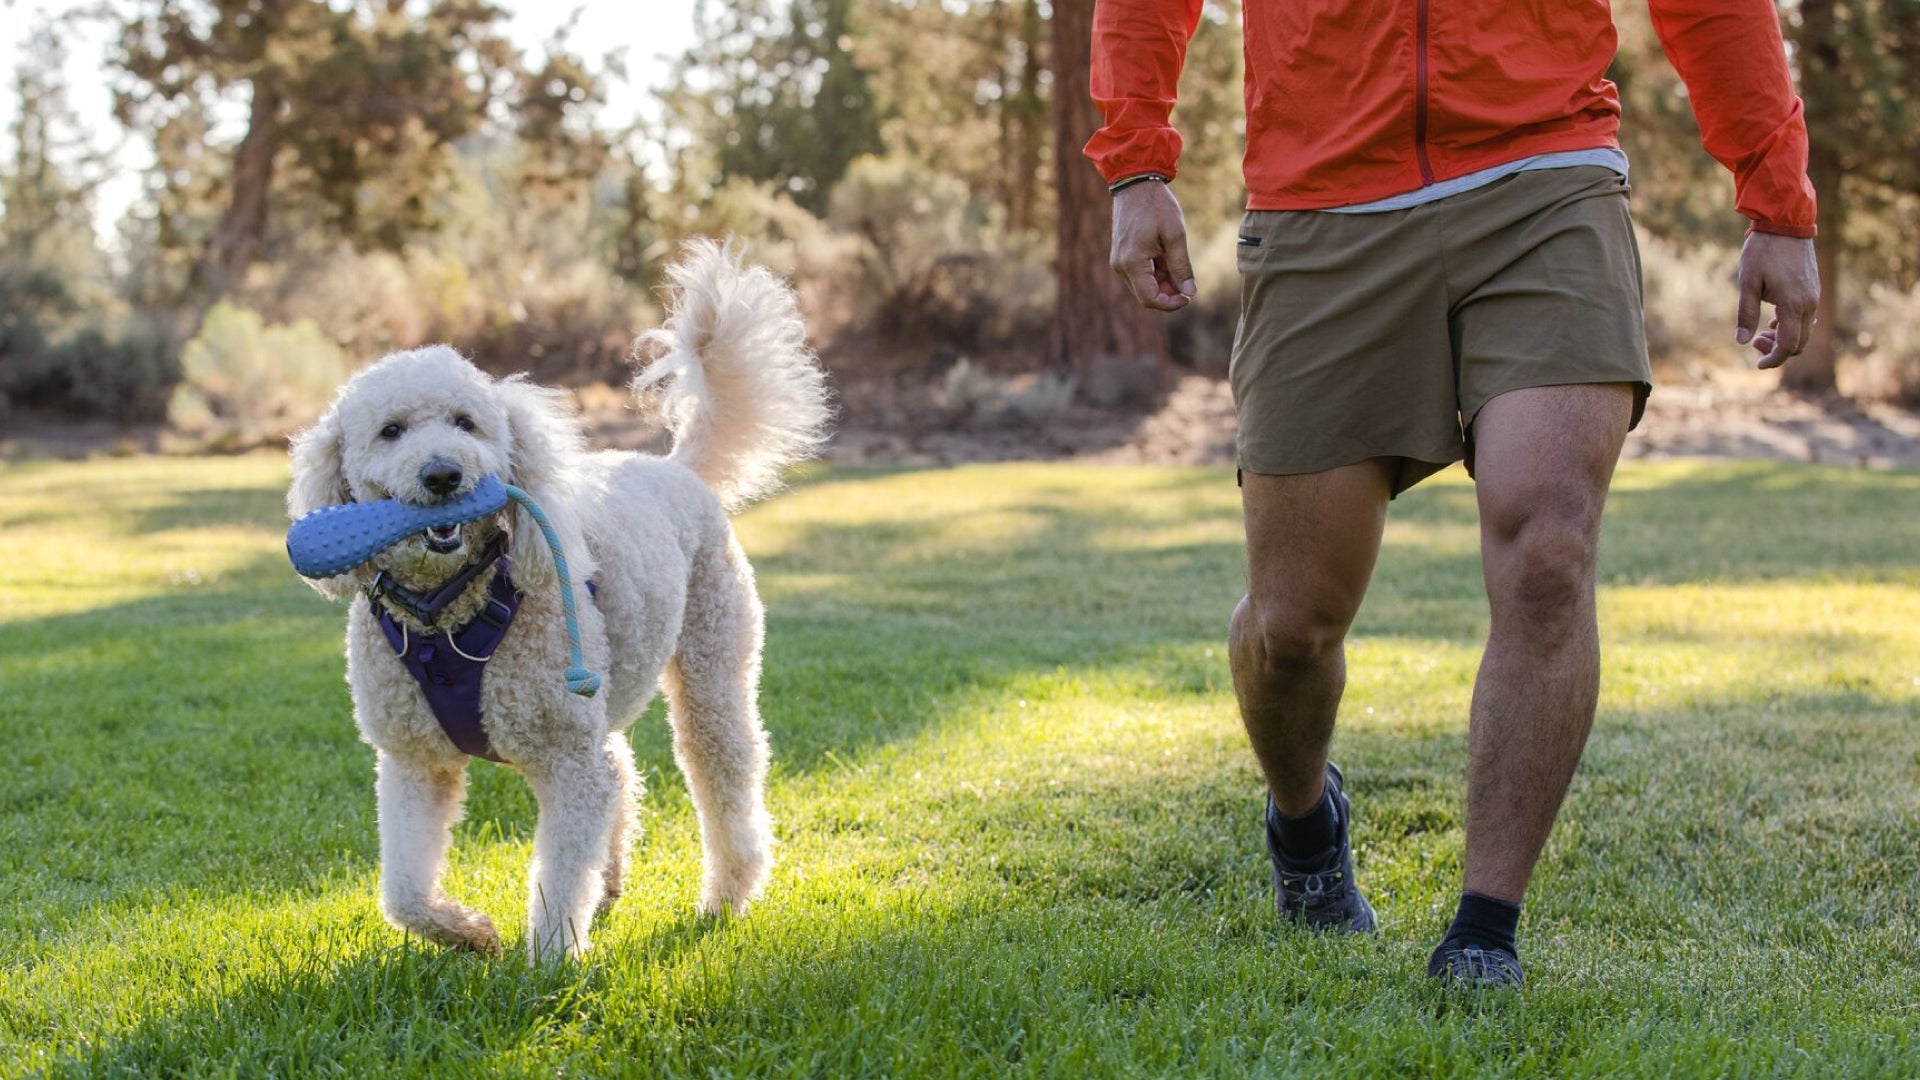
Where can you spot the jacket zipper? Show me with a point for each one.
(1420, 92)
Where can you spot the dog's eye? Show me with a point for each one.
(463, 422)
(391, 431)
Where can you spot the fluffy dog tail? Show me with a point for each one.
(733, 376)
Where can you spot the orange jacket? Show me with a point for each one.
(1349, 101)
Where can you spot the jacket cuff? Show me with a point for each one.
(1126, 152)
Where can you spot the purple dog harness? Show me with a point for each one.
(448, 665)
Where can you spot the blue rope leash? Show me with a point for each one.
(579, 680)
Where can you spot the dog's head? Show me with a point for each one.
(424, 426)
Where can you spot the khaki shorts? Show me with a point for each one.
(1382, 335)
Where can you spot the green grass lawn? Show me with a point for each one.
(1019, 823)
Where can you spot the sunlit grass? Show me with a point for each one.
(1018, 819)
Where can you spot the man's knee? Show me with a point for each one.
(1541, 567)
(1281, 637)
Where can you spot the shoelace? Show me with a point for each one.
(1472, 964)
(1316, 886)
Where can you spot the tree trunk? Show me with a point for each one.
(1030, 116)
(1114, 347)
(1812, 372)
(1001, 35)
(241, 238)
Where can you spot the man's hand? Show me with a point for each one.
(1779, 270)
(1150, 246)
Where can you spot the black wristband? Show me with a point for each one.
(1115, 187)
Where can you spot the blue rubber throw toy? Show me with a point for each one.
(334, 539)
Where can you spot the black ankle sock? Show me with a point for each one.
(1306, 838)
(1484, 922)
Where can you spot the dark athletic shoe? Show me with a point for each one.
(1475, 968)
(1322, 894)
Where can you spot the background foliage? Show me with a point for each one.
(405, 174)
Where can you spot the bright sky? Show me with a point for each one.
(652, 33)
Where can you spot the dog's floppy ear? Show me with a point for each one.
(546, 438)
(320, 479)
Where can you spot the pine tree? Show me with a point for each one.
(350, 107)
(780, 97)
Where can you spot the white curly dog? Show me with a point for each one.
(675, 606)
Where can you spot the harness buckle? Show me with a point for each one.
(496, 612)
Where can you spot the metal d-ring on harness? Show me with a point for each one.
(454, 644)
(406, 642)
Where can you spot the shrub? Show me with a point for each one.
(245, 382)
(561, 318)
(937, 265)
(781, 231)
(118, 368)
(995, 401)
(368, 303)
(1689, 299)
(68, 345)
(563, 324)
(1890, 340)
(124, 369)
(1202, 333)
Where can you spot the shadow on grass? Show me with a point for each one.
(142, 508)
(345, 1012)
(194, 744)
(1739, 522)
(205, 734)
(1083, 913)
(216, 507)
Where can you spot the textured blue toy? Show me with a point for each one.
(334, 539)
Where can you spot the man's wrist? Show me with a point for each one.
(1125, 182)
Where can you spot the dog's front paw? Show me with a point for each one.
(480, 936)
(734, 891)
(724, 905)
(734, 880)
(553, 943)
(444, 922)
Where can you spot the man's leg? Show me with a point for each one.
(1544, 457)
(1311, 544)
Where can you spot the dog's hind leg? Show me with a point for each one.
(626, 821)
(579, 792)
(712, 689)
(419, 804)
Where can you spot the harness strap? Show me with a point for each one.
(448, 665)
(426, 607)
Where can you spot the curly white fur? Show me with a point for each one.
(742, 392)
(676, 610)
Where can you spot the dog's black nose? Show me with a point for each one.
(440, 476)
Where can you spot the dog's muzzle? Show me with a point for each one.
(443, 539)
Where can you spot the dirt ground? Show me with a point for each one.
(1733, 414)
(909, 420)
